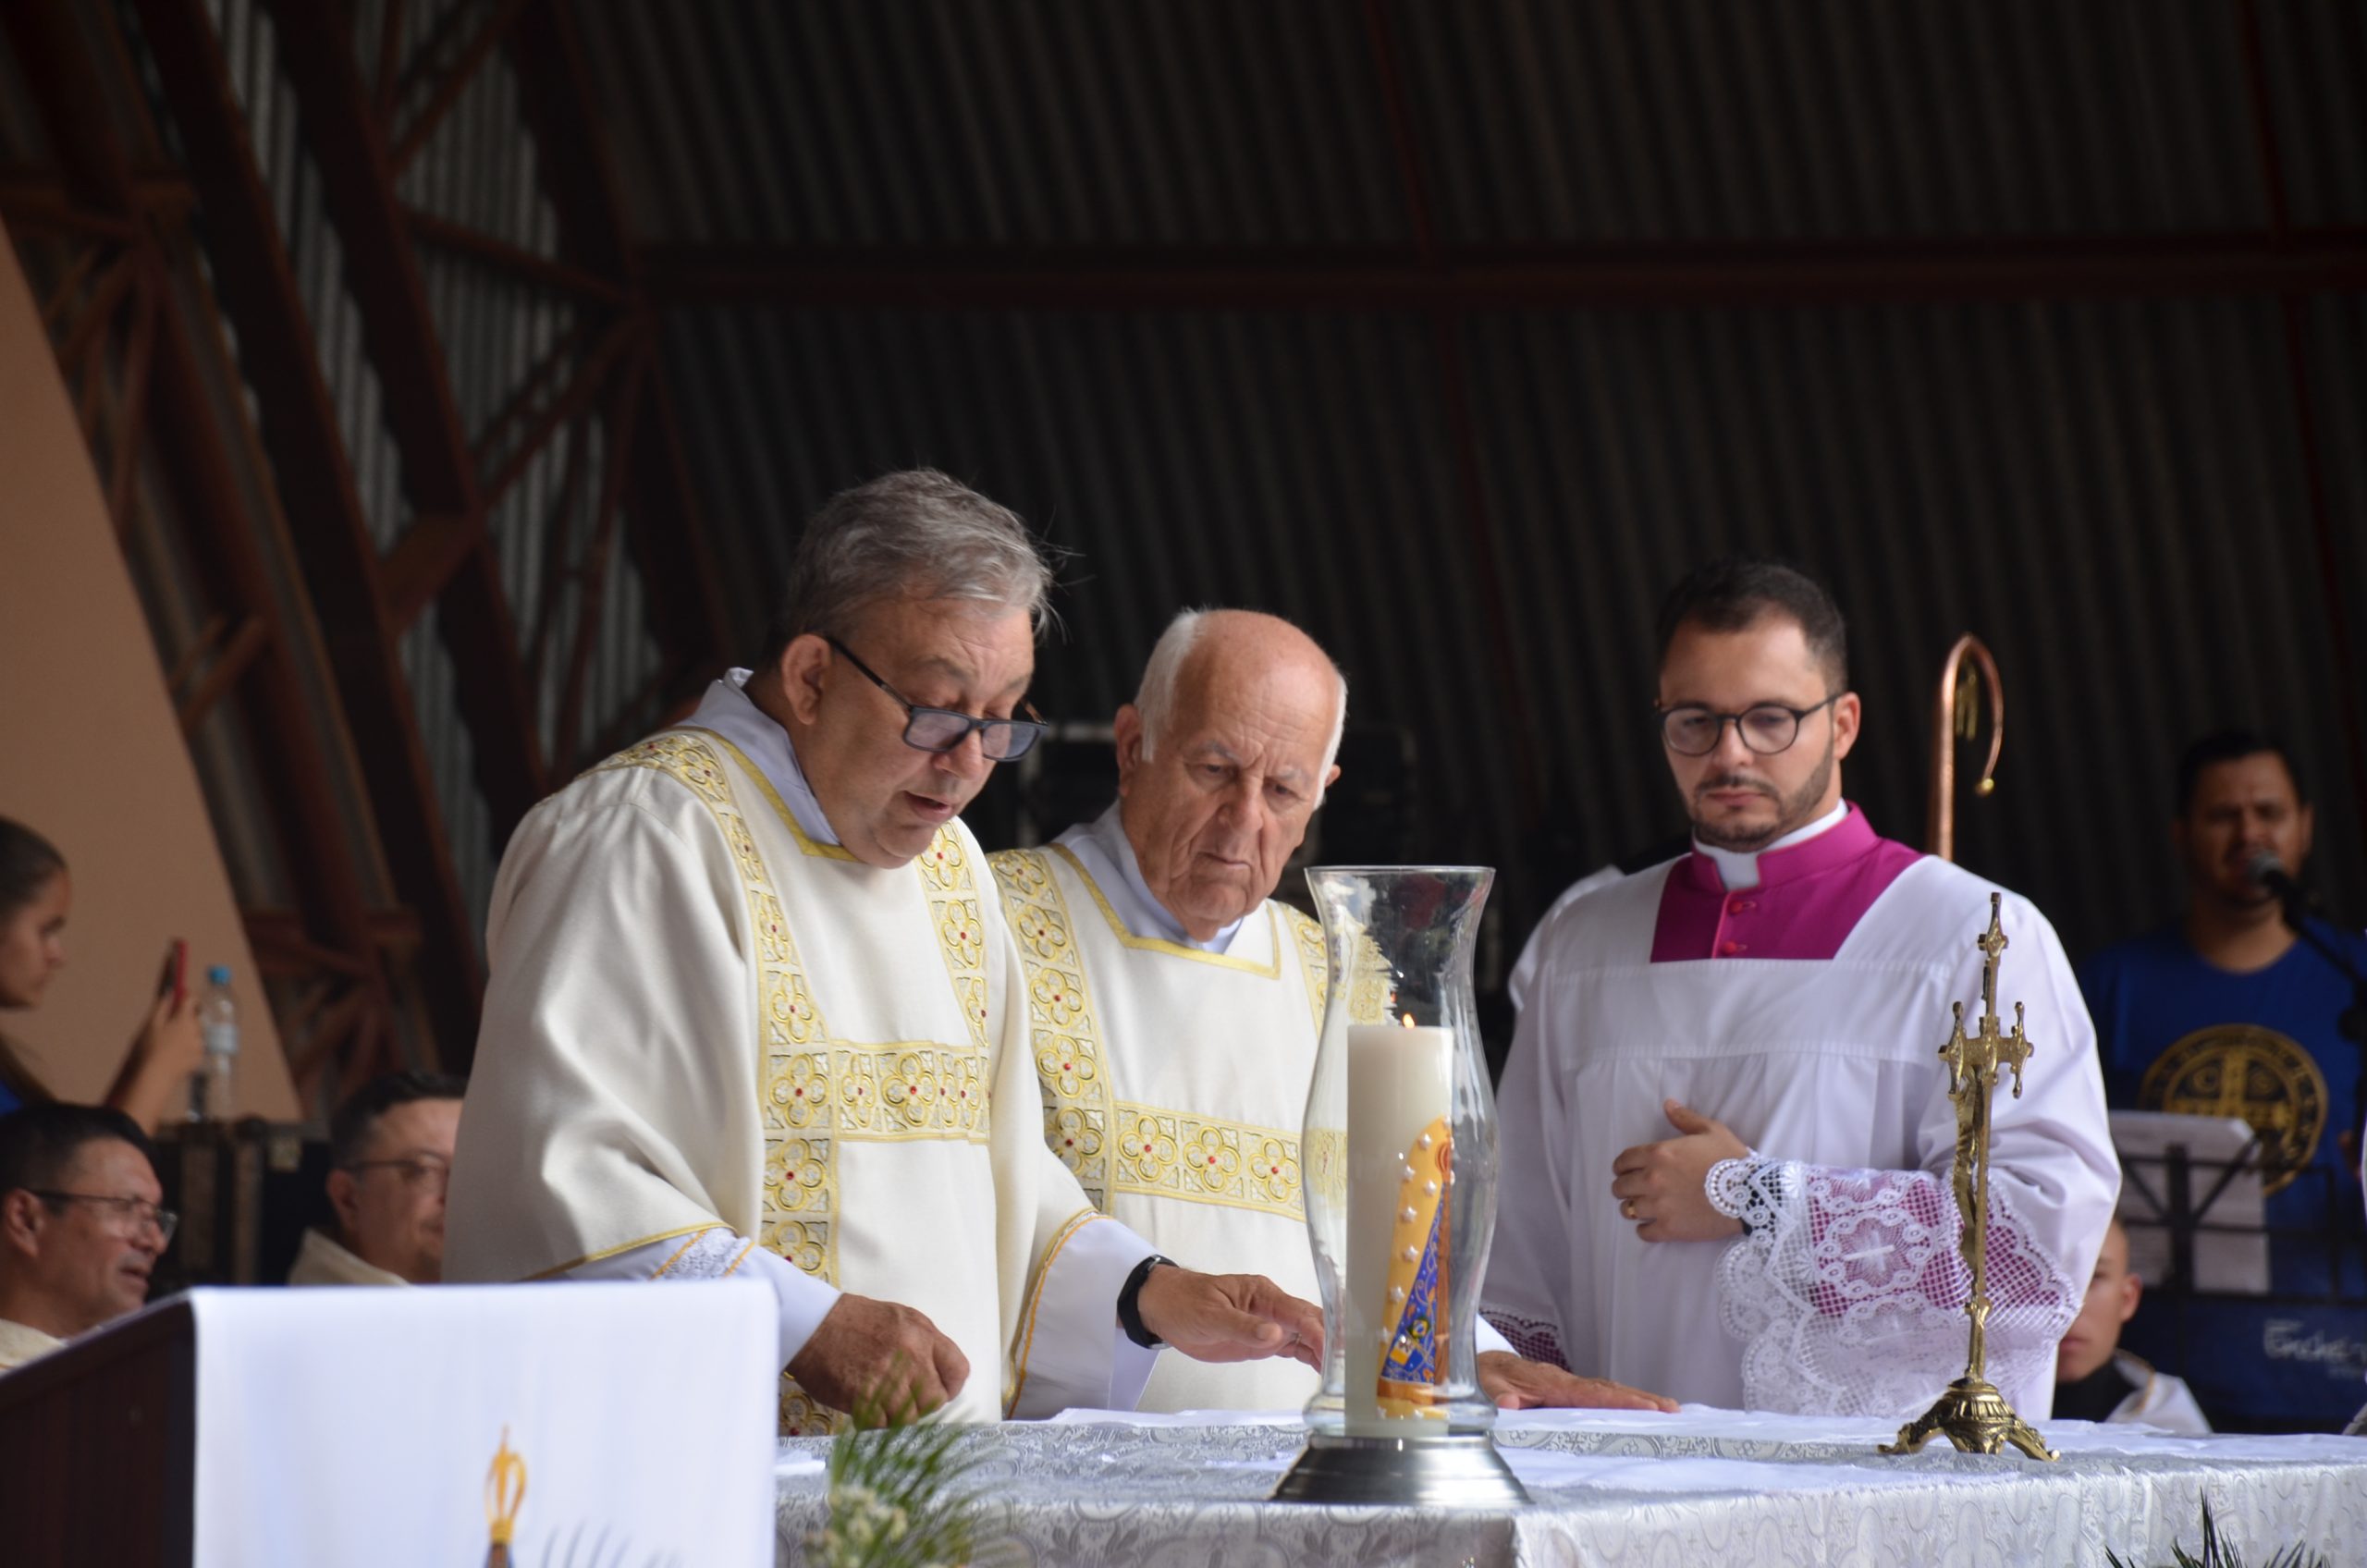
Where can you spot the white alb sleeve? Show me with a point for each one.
(718, 1253)
(1072, 1352)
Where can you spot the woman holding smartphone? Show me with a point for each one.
(35, 897)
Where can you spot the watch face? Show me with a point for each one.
(2242, 1070)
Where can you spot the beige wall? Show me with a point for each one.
(91, 752)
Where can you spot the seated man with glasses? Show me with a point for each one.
(390, 1157)
(754, 1009)
(1727, 1135)
(79, 1225)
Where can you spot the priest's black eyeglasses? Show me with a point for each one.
(941, 729)
(1693, 730)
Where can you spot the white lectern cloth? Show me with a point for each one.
(357, 1427)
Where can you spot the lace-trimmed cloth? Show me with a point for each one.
(1849, 1284)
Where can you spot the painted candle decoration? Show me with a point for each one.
(1400, 1153)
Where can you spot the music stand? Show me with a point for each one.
(2190, 1202)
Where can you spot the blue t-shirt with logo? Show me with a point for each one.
(2148, 993)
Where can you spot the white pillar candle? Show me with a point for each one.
(1400, 1081)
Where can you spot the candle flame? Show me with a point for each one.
(1408, 1020)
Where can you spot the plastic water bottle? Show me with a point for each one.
(212, 1091)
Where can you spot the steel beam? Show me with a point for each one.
(448, 87)
(1575, 278)
(665, 529)
(255, 281)
(524, 264)
(346, 141)
(97, 167)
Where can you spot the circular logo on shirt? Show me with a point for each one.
(2245, 1070)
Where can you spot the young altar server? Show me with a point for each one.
(1727, 1133)
(1177, 1005)
(753, 1009)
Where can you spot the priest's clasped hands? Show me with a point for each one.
(1661, 1187)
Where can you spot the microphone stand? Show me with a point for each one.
(2352, 1025)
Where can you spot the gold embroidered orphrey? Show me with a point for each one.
(816, 1090)
(1115, 1146)
(1973, 1414)
(2242, 1070)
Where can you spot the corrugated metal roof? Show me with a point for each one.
(477, 170)
(1664, 120)
(2114, 494)
(1290, 464)
(1213, 125)
(2111, 494)
(2315, 58)
(1217, 123)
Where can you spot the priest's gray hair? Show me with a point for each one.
(1155, 699)
(916, 534)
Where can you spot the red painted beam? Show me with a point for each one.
(254, 280)
(342, 130)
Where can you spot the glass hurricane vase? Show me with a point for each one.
(1400, 1145)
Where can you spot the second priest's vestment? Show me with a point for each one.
(1174, 1078)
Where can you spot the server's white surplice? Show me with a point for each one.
(1846, 1296)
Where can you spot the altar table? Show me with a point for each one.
(1701, 1488)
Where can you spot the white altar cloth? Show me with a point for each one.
(1701, 1488)
(361, 1427)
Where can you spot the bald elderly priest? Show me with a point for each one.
(753, 1009)
(1177, 1006)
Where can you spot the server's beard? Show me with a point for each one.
(1798, 811)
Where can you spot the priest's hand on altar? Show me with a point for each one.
(1230, 1317)
(886, 1363)
(1516, 1383)
(1661, 1187)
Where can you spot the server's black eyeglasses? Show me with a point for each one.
(1693, 730)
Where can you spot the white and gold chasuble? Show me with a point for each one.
(700, 1016)
(1174, 1084)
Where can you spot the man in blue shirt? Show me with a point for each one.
(2226, 1011)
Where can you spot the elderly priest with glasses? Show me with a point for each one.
(753, 1010)
(1725, 1123)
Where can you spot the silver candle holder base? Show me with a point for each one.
(1463, 1471)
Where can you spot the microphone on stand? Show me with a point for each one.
(2269, 875)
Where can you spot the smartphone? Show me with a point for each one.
(176, 971)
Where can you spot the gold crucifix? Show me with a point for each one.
(1972, 1414)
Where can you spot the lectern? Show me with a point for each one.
(626, 1424)
(97, 1446)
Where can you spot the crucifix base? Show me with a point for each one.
(1973, 1416)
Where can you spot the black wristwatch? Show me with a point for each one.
(1130, 1311)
